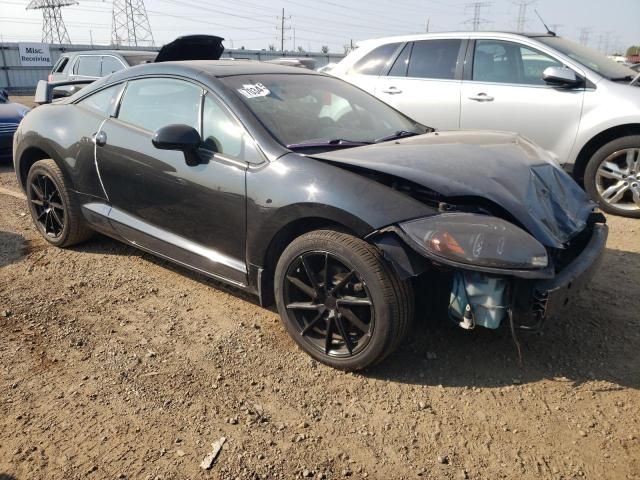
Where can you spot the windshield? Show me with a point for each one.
(589, 58)
(299, 109)
(134, 60)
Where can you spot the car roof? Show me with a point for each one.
(111, 52)
(214, 68)
(453, 34)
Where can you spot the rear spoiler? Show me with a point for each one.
(44, 90)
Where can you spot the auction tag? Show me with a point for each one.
(253, 91)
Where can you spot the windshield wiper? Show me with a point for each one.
(395, 136)
(334, 142)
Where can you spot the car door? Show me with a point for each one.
(192, 214)
(505, 91)
(86, 67)
(111, 64)
(364, 73)
(425, 80)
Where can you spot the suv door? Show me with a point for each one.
(87, 67)
(425, 80)
(505, 91)
(364, 73)
(192, 214)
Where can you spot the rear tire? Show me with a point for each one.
(55, 211)
(340, 301)
(612, 177)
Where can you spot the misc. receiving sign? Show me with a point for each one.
(34, 54)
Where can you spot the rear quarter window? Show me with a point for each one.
(376, 60)
(60, 64)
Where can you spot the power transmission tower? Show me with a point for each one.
(53, 27)
(555, 27)
(130, 23)
(282, 29)
(521, 22)
(476, 21)
(585, 33)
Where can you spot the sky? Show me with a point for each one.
(310, 24)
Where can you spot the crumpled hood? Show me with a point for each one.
(504, 168)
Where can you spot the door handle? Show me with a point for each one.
(391, 90)
(481, 97)
(100, 139)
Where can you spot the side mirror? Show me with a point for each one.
(560, 76)
(179, 137)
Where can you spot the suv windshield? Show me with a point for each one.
(316, 109)
(589, 58)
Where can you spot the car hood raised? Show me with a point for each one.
(504, 168)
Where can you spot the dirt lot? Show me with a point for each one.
(114, 364)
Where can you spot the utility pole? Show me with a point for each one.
(555, 27)
(282, 29)
(585, 33)
(53, 27)
(521, 21)
(476, 21)
(428, 20)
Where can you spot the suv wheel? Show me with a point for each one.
(612, 177)
(54, 209)
(340, 301)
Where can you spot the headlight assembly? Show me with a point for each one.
(475, 239)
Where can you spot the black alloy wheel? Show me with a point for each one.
(340, 301)
(47, 203)
(329, 303)
(54, 208)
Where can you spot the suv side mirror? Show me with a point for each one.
(560, 77)
(179, 137)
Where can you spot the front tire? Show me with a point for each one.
(340, 300)
(612, 177)
(54, 209)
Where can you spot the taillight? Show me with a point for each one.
(50, 78)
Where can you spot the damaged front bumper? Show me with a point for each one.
(487, 297)
(536, 301)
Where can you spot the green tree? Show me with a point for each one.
(634, 50)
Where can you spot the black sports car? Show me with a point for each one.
(303, 189)
(11, 114)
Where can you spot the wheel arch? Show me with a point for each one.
(598, 141)
(283, 237)
(27, 158)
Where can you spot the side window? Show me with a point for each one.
(157, 102)
(507, 62)
(221, 133)
(88, 66)
(399, 68)
(434, 59)
(533, 64)
(110, 65)
(60, 64)
(102, 101)
(374, 61)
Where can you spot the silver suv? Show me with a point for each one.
(574, 102)
(93, 64)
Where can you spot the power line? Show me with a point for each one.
(476, 21)
(53, 27)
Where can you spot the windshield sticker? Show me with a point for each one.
(254, 91)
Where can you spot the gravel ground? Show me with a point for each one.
(115, 364)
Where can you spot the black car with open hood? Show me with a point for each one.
(305, 190)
